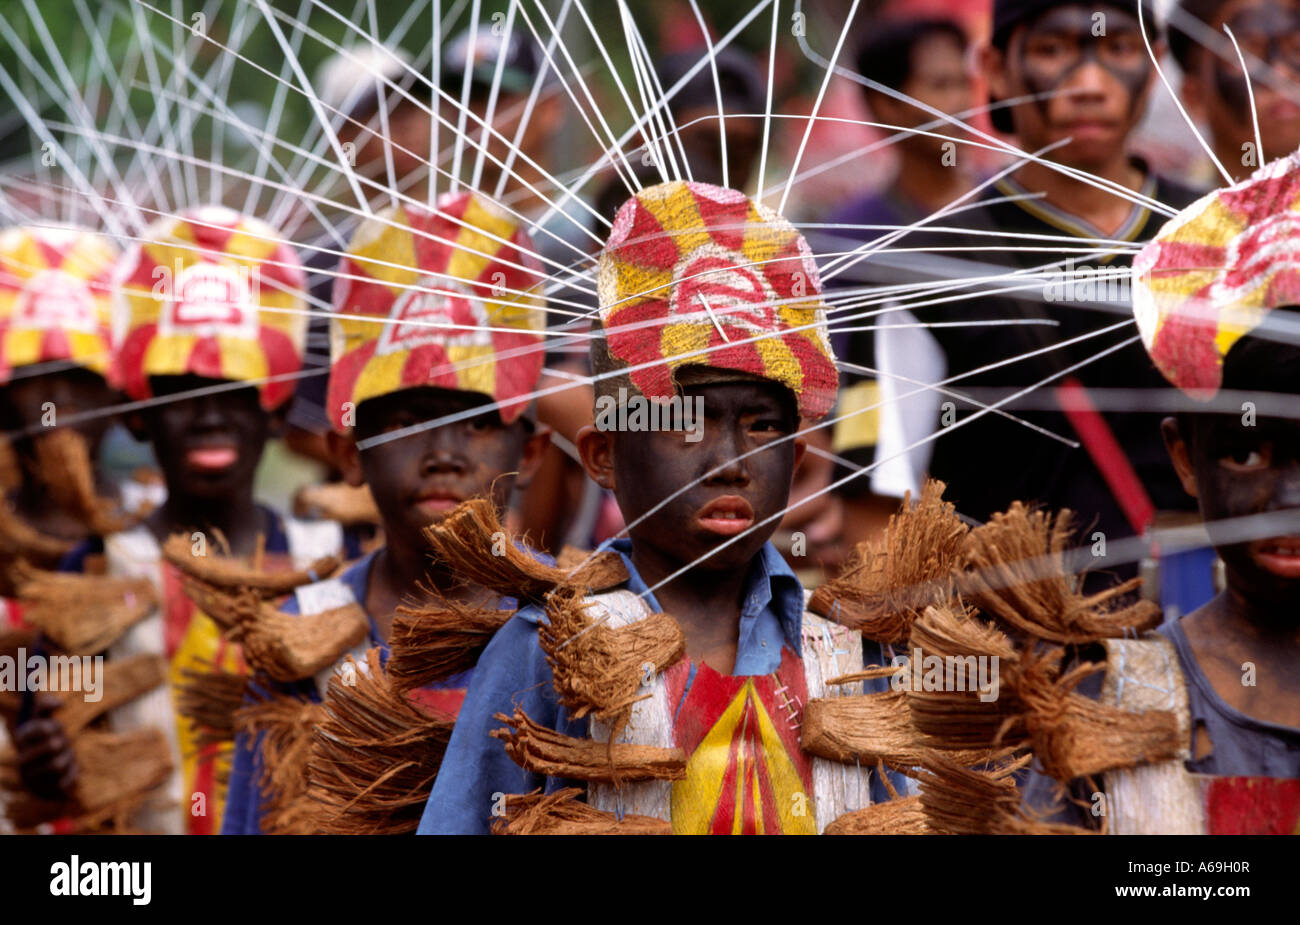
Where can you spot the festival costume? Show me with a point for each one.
(448, 298)
(590, 678)
(55, 299)
(227, 304)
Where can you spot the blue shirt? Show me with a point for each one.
(513, 671)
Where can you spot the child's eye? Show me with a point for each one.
(1247, 459)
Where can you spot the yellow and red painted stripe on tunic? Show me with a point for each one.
(452, 299)
(745, 771)
(1215, 271)
(55, 298)
(688, 267)
(212, 293)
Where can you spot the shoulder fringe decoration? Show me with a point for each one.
(964, 801)
(118, 773)
(374, 755)
(872, 727)
(542, 750)
(598, 670)
(1017, 573)
(433, 642)
(562, 813)
(83, 614)
(472, 542)
(350, 505)
(229, 573)
(287, 724)
(895, 817)
(18, 538)
(123, 680)
(961, 718)
(1013, 570)
(1074, 736)
(65, 469)
(209, 697)
(291, 648)
(884, 585)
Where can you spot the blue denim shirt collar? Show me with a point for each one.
(773, 605)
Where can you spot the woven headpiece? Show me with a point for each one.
(213, 293)
(690, 266)
(1215, 271)
(455, 294)
(55, 298)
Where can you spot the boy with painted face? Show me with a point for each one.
(212, 321)
(705, 298)
(425, 302)
(1215, 87)
(55, 293)
(1221, 327)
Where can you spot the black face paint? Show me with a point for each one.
(1054, 46)
(1269, 34)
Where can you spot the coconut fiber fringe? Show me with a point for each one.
(20, 540)
(123, 680)
(210, 697)
(1074, 736)
(349, 505)
(471, 542)
(83, 614)
(374, 756)
(230, 573)
(896, 817)
(287, 724)
(435, 642)
(65, 469)
(562, 813)
(542, 750)
(884, 585)
(597, 669)
(118, 772)
(292, 648)
(1017, 573)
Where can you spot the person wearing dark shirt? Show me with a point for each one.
(1079, 94)
(1214, 86)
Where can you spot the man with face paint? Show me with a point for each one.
(1214, 86)
(1220, 327)
(688, 268)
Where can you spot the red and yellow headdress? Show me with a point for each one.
(452, 298)
(690, 266)
(1215, 271)
(55, 298)
(210, 292)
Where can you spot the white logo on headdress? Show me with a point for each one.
(55, 300)
(211, 299)
(451, 315)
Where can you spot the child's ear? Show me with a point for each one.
(530, 460)
(1179, 454)
(346, 457)
(596, 447)
(993, 65)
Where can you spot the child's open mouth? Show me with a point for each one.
(1280, 555)
(726, 516)
(437, 503)
(212, 458)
